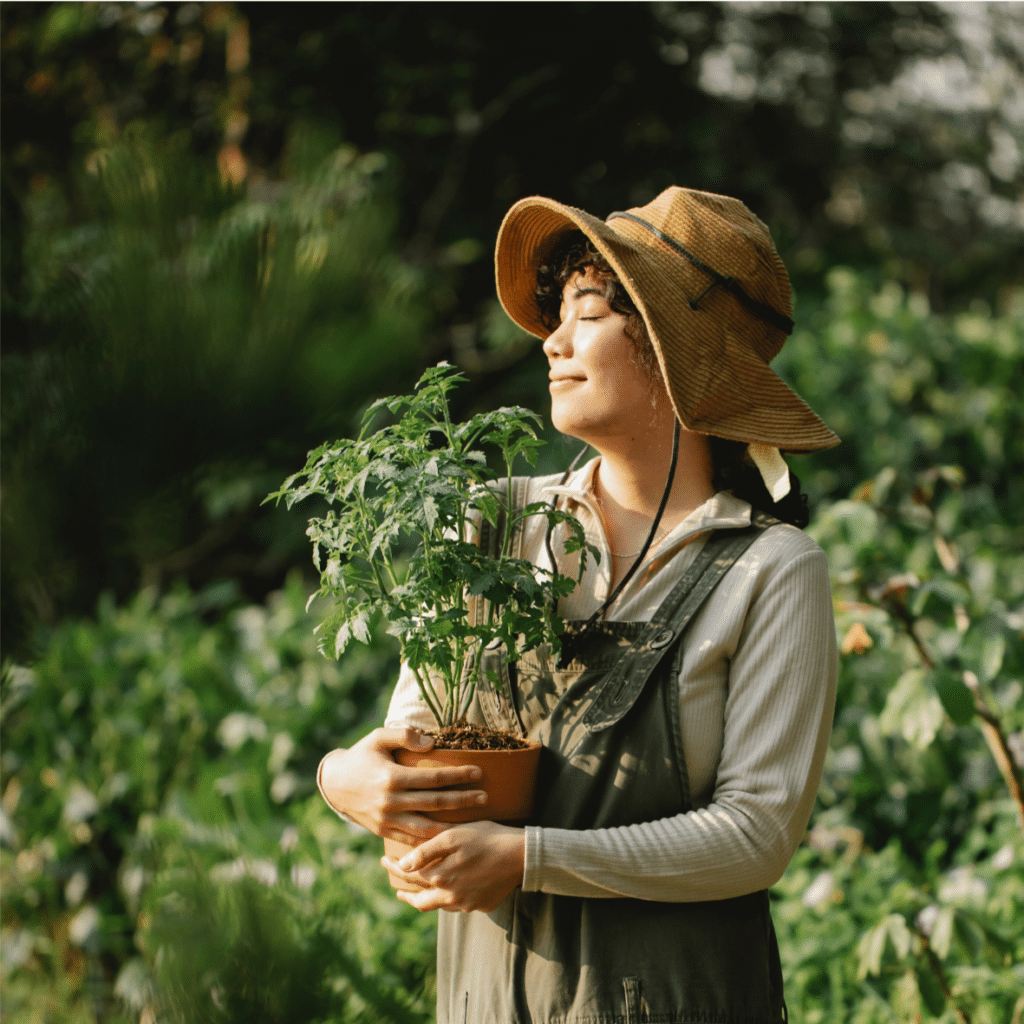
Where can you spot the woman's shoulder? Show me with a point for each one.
(782, 544)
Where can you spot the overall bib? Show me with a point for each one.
(613, 756)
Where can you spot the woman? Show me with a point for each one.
(685, 729)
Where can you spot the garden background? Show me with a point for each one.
(228, 227)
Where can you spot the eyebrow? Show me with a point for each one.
(589, 291)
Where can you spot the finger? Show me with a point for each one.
(413, 827)
(426, 853)
(437, 778)
(402, 883)
(407, 879)
(428, 800)
(399, 738)
(427, 899)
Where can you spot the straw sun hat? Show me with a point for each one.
(713, 292)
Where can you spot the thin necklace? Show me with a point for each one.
(614, 554)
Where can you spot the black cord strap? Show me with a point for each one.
(730, 284)
(568, 646)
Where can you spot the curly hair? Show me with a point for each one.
(573, 253)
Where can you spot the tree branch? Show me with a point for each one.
(468, 125)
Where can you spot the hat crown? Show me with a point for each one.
(723, 233)
(713, 293)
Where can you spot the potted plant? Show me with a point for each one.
(397, 551)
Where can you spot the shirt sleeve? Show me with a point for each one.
(777, 719)
(407, 708)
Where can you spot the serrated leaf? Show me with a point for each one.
(483, 582)
(430, 512)
(341, 639)
(488, 505)
(360, 628)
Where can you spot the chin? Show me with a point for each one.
(582, 428)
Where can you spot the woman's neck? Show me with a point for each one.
(630, 482)
(632, 476)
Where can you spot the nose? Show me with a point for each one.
(559, 342)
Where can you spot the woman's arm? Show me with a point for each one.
(777, 717)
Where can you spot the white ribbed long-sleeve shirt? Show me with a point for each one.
(756, 696)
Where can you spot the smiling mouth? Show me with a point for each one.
(566, 380)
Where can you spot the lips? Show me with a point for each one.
(563, 378)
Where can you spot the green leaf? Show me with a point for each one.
(930, 989)
(942, 932)
(870, 950)
(956, 698)
(912, 710)
(360, 628)
(430, 512)
(482, 583)
(993, 651)
(969, 936)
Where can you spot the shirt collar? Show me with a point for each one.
(722, 511)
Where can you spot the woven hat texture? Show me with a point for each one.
(714, 358)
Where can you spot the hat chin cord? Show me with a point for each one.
(774, 472)
(568, 646)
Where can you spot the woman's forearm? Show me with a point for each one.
(777, 718)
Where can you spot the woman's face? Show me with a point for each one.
(598, 389)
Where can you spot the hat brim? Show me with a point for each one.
(717, 382)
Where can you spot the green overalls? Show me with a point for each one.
(613, 755)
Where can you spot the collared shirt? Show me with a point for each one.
(756, 696)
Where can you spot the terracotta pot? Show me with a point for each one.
(510, 781)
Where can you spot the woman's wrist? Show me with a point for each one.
(320, 784)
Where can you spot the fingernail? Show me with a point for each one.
(424, 741)
(405, 863)
(481, 798)
(476, 773)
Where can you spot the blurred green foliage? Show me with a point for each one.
(228, 227)
(162, 834)
(159, 161)
(199, 338)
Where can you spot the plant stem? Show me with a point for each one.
(507, 539)
(367, 543)
(464, 708)
(998, 745)
(427, 696)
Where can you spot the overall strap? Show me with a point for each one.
(623, 684)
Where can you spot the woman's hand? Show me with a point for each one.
(365, 783)
(468, 867)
